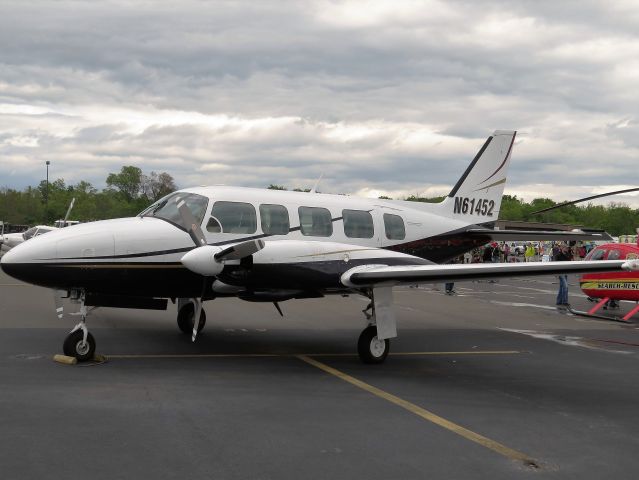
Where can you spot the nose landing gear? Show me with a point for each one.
(79, 343)
(79, 346)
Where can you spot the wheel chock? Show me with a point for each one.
(65, 359)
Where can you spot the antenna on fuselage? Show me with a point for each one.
(314, 189)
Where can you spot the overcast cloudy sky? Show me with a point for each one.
(383, 97)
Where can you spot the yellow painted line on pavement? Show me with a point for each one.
(426, 415)
(469, 352)
(199, 355)
(250, 355)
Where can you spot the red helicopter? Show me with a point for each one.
(608, 287)
(612, 286)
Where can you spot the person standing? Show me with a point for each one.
(495, 258)
(450, 286)
(487, 255)
(562, 295)
(529, 253)
(582, 252)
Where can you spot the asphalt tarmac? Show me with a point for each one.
(491, 383)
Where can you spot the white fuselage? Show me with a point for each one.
(141, 255)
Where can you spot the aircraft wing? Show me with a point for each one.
(368, 275)
(530, 235)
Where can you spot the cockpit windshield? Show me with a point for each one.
(167, 208)
(29, 233)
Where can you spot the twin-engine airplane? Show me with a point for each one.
(10, 240)
(266, 245)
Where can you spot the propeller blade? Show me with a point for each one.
(193, 226)
(196, 319)
(66, 217)
(198, 311)
(239, 251)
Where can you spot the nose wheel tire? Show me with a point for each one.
(185, 319)
(370, 348)
(75, 346)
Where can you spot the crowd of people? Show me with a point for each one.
(500, 252)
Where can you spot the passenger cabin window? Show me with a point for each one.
(274, 219)
(232, 217)
(357, 223)
(394, 226)
(613, 255)
(315, 222)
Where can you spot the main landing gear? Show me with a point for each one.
(79, 343)
(370, 348)
(374, 341)
(186, 313)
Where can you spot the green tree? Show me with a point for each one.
(157, 185)
(128, 182)
(417, 198)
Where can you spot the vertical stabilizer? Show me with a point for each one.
(476, 197)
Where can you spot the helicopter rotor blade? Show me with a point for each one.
(585, 199)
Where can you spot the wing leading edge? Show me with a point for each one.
(369, 275)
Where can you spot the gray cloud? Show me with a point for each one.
(392, 96)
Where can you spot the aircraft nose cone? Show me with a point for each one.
(9, 265)
(19, 262)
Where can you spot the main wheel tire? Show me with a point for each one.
(370, 348)
(185, 319)
(74, 346)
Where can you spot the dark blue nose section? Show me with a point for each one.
(12, 266)
(21, 263)
(14, 270)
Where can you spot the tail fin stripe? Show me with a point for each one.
(470, 167)
(502, 163)
(486, 187)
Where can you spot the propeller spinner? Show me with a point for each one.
(209, 260)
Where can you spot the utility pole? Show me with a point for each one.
(46, 196)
